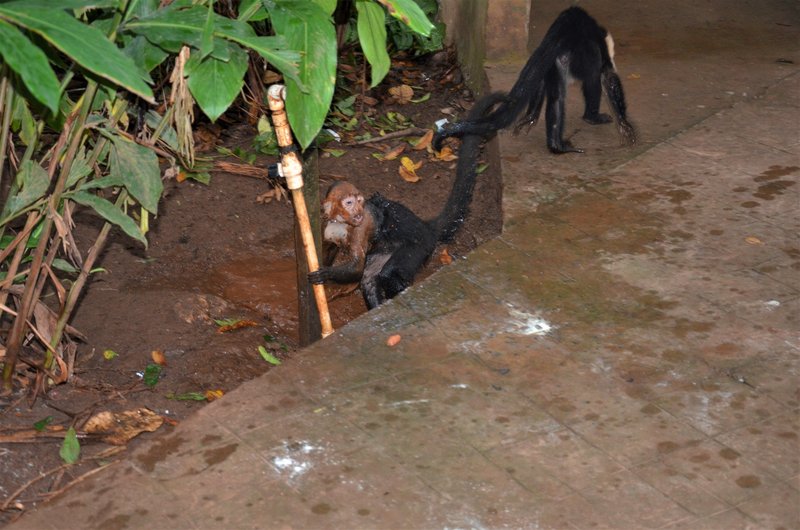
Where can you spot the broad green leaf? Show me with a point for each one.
(372, 35)
(42, 424)
(66, 4)
(207, 38)
(22, 120)
(110, 213)
(33, 183)
(137, 166)
(215, 84)
(27, 60)
(168, 134)
(252, 11)
(328, 6)
(152, 374)
(273, 49)
(267, 356)
(70, 448)
(86, 45)
(109, 354)
(410, 14)
(103, 182)
(80, 169)
(171, 28)
(145, 54)
(310, 30)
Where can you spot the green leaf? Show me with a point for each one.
(372, 35)
(215, 84)
(34, 182)
(22, 120)
(207, 38)
(328, 6)
(267, 356)
(70, 448)
(151, 375)
(64, 266)
(273, 50)
(172, 27)
(222, 322)
(410, 14)
(27, 60)
(110, 213)
(66, 4)
(137, 166)
(42, 424)
(168, 134)
(251, 11)
(79, 169)
(310, 30)
(146, 55)
(188, 396)
(109, 354)
(84, 44)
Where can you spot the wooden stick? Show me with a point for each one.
(293, 171)
(411, 131)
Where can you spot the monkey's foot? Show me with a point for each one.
(564, 147)
(597, 119)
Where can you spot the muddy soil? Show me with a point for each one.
(215, 252)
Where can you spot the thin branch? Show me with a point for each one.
(411, 131)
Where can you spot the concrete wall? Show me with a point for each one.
(486, 32)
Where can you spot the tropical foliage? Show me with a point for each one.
(97, 102)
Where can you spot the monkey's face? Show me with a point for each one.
(347, 209)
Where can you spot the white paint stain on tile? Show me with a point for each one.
(525, 323)
(293, 459)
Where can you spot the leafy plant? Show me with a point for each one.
(76, 80)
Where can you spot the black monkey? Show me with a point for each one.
(387, 243)
(575, 47)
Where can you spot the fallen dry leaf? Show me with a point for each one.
(402, 93)
(393, 340)
(394, 153)
(270, 77)
(369, 101)
(408, 170)
(211, 395)
(237, 325)
(445, 258)
(446, 155)
(424, 141)
(117, 428)
(753, 240)
(158, 357)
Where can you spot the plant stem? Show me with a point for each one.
(76, 130)
(5, 132)
(77, 286)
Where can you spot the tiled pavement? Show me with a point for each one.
(625, 355)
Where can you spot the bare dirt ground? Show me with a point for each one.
(215, 252)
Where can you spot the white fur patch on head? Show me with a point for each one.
(610, 46)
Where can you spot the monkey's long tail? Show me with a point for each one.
(455, 209)
(531, 77)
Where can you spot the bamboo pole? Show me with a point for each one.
(293, 172)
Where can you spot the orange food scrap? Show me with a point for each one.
(158, 357)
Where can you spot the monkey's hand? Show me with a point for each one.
(320, 276)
